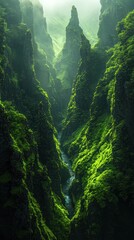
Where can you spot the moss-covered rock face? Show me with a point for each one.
(111, 13)
(90, 69)
(12, 11)
(19, 166)
(29, 207)
(68, 60)
(40, 30)
(31, 166)
(92, 65)
(43, 53)
(32, 14)
(98, 130)
(103, 151)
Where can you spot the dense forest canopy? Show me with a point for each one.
(66, 120)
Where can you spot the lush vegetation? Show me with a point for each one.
(31, 166)
(111, 13)
(102, 150)
(90, 69)
(97, 131)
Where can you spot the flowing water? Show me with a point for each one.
(67, 185)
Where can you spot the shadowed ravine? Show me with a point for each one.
(67, 185)
(66, 120)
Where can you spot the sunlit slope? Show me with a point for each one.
(92, 64)
(103, 150)
(56, 26)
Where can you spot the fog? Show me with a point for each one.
(57, 13)
(85, 7)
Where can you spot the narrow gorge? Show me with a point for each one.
(68, 184)
(66, 120)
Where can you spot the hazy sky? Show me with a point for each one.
(85, 7)
(88, 11)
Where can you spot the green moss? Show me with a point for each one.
(102, 150)
(17, 190)
(5, 177)
(60, 221)
(89, 72)
(36, 215)
(20, 178)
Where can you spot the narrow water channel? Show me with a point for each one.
(67, 185)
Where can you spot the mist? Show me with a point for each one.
(57, 13)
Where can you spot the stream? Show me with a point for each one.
(67, 185)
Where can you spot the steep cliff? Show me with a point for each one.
(68, 60)
(40, 30)
(103, 150)
(34, 18)
(98, 131)
(12, 11)
(20, 168)
(111, 13)
(90, 69)
(32, 14)
(93, 64)
(31, 166)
